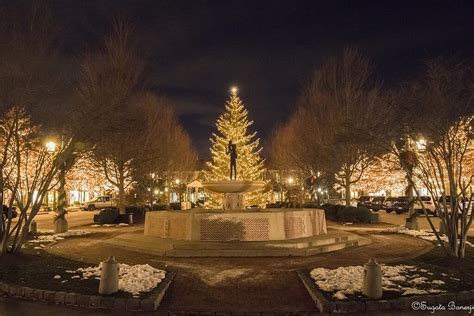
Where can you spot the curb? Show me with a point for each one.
(410, 303)
(91, 301)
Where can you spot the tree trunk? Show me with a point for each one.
(347, 186)
(61, 225)
(121, 187)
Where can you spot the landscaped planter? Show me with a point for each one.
(409, 303)
(151, 303)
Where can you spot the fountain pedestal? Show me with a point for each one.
(233, 192)
(233, 201)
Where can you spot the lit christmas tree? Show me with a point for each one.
(233, 125)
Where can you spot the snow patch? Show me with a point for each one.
(55, 237)
(57, 276)
(400, 278)
(421, 234)
(132, 279)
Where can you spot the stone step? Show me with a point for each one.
(267, 252)
(288, 244)
(332, 241)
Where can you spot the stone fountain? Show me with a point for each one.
(233, 222)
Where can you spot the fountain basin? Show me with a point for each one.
(233, 192)
(216, 225)
(229, 186)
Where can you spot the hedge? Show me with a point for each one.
(341, 213)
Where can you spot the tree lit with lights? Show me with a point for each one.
(233, 125)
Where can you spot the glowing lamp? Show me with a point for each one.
(51, 147)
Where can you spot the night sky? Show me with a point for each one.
(197, 49)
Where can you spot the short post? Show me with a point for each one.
(33, 229)
(130, 219)
(372, 283)
(412, 223)
(442, 228)
(109, 277)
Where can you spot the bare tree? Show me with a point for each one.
(28, 82)
(440, 111)
(111, 82)
(167, 148)
(328, 132)
(149, 140)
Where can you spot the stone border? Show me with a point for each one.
(91, 301)
(402, 304)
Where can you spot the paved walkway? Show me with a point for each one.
(75, 219)
(400, 219)
(236, 284)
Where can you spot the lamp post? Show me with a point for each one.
(152, 184)
(61, 224)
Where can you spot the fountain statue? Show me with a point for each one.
(232, 152)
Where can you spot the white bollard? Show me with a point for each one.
(33, 228)
(130, 219)
(109, 277)
(372, 283)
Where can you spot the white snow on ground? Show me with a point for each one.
(60, 236)
(422, 234)
(348, 280)
(111, 225)
(45, 231)
(132, 279)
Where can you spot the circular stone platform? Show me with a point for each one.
(216, 225)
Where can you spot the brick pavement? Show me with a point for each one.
(239, 284)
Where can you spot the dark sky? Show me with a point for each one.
(198, 49)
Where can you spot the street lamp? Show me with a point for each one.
(152, 184)
(60, 221)
(51, 147)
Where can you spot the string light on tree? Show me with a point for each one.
(233, 125)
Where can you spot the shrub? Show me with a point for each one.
(363, 214)
(341, 213)
(330, 211)
(175, 206)
(106, 216)
(138, 212)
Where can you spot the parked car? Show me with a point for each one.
(5, 211)
(448, 203)
(98, 203)
(427, 202)
(388, 204)
(377, 203)
(401, 205)
(365, 201)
